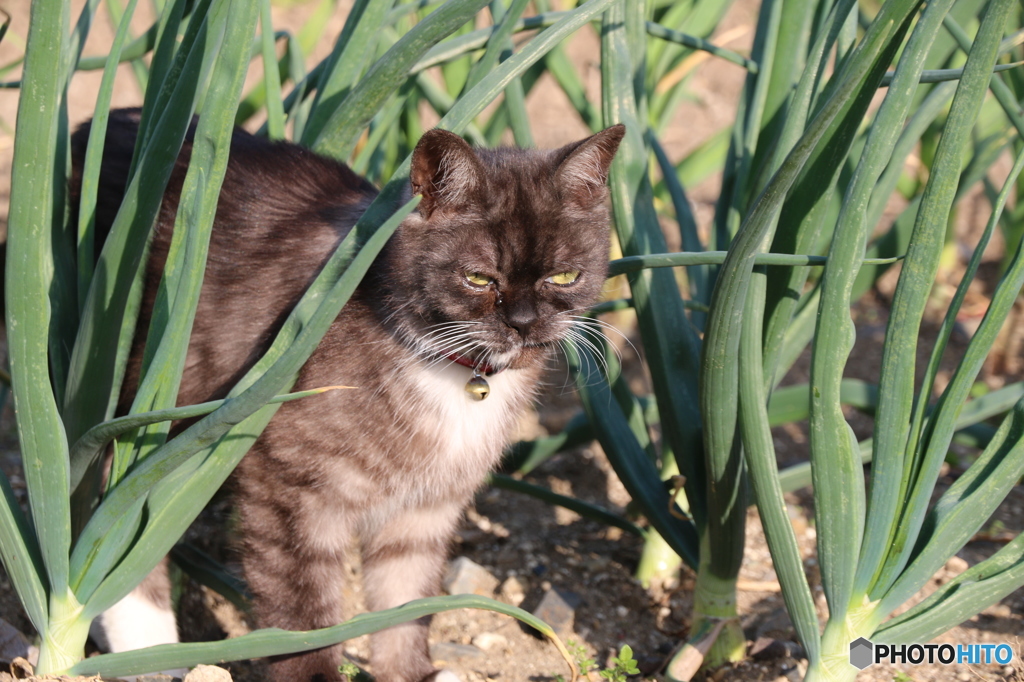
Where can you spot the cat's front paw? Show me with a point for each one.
(442, 676)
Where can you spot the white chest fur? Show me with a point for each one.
(470, 434)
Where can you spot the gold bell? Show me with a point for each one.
(477, 387)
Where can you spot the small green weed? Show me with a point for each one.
(579, 654)
(623, 666)
(354, 672)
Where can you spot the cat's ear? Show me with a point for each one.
(445, 170)
(583, 172)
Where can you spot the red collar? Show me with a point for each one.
(481, 367)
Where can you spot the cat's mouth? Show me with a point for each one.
(492, 362)
(480, 365)
(478, 346)
(486, 362)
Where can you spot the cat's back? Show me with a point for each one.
(282, 212)
(270, 189)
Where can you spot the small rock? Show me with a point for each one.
(449, 652)
(767, 649)
(512, 591)
(207, 673)
(156, 677)
(774, 624)
(490, 640)
(13, 644)
(557, 608)
(770, 649)
(467, 577)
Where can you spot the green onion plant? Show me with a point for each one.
(809, 167)
(72, 303)
(837, 95)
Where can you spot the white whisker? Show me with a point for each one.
(445, 339)
(598, 337)
(397, 310)
(584, 368)
(568, 381)
(584, 344)
(583, 320)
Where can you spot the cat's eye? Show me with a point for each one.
(478, 279)
(564, 278)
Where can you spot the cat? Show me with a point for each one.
(468, 300)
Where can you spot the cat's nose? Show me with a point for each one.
(522, 326)
(521, 318)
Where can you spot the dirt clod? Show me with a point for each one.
(512, 591)
(207, 673)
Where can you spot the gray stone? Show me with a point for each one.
(774, 624)
(557, 608)
(449, 652)
(466, 577)
(767, 649)
(157, 677)
(13, 644)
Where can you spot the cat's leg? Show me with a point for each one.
(295, 573)
(404, 559)
(144, 617)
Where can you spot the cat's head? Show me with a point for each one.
(505, 246)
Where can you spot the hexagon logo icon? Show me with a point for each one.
(862, 653)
